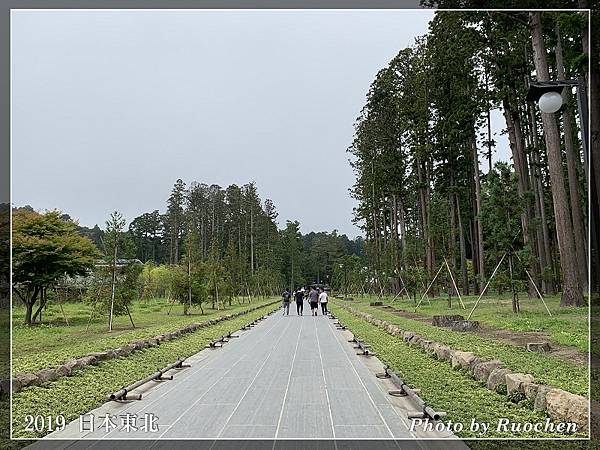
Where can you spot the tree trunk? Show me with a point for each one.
(480, 255)
(595, 172)
(202, 238)
(43, 301)
(396, 237)
(251, 241)
(402, 221)
(593, 77)
(176, 235)
(572, 154)
(376, 223)
(452, 238)
(424, 206)
(515, 294)
(171, 248)
(595, 260)
(113, 282)
(190, 277)
(463, 253)
(28, 313)
(545, 252)
(474, 256)
(571, 292)
(515, 137)
(217, 293)
(489, 129)
(431, 243)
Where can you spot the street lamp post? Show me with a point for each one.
(548, 95)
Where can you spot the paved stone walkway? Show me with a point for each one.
(290, 377)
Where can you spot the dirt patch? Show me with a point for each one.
(516, 338)
(408, 314)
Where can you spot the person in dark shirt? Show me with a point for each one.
(313, 298)
(287, 296)
(299, 301)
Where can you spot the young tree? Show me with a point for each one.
(215, 273)
(112, 241)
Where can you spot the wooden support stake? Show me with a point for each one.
(535, 286)
(454, 283)
(486, 286)
(63, 313)
(130, 318)
(429, 287)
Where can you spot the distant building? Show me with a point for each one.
(120, 262)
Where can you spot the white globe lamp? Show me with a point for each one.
(550, 102)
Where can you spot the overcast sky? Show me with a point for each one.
(109, 108)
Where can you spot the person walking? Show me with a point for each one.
(323, 301)
(313, 298)
(286, 302)
(299, 296)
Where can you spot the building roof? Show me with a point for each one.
(120, 262)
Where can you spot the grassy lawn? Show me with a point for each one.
(53, 342)
(545, 369)
(444, 388)
(566, 326)
(89, 387)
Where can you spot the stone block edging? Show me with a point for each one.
(560, 405)
(22, 380)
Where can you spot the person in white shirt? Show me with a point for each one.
(323, 301)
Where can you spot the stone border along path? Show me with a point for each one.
(558, 404)
(519, 339)
(42, 376)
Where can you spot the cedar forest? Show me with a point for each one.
(423, 200)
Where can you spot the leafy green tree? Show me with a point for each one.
(199, 286)
(501, 216)
(216, 274)
(146, 231)
(148, 282)
(347, 274)
(414, 278)
(234, 271)
(180, 286)
(44, 249)
(195, 276)
(175, 219)
(501, 212)
(95, 234)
